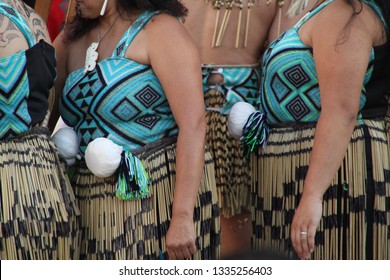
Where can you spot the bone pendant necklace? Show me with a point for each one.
(92, 55)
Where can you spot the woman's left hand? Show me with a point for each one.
(305, 222)
(180, 238)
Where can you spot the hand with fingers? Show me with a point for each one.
(180, 239)
(305, 222)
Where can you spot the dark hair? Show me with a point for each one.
(31, 3)
(384, 6)
(357, 7)
(79, 26)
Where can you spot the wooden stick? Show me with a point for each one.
(238, 27)
(221, 28)
(279, 19)
(215, 28)
(248, 18)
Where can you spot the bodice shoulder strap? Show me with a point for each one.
(312, 13)
(19, 21)
(133, 30)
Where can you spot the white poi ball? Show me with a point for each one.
(103, 157)
(67, 143)
(238, 116)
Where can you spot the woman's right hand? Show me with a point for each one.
(180, 240)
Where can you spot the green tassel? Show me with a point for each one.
(345, 186)
(161, 256)
(254, 133)
(133, 180)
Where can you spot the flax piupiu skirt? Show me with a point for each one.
(136, 229)
(39, 217)
(232, 170)
(356, 207)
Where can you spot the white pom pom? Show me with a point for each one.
(67, 143)
(238, 116)
(103, 157)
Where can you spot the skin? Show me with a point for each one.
(179, 73)
(12, 39)
(286, 21)
(341, 68)
(200, 23)
(264, 26)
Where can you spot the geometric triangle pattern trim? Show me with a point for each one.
(239, 84)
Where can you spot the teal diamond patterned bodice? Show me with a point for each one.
(120, 99)
(289, 91)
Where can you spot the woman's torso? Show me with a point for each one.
(120, 99)
(290, 90)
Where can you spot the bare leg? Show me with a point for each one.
(236, 233)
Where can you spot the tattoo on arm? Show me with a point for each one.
(36, 23)
(8, 31)
(26, 9)
(38, 27)
(39, 34)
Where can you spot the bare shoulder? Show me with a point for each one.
(167, 38)
(12, 38)
(342, 11)
(163, 20)
(165, 24)
(59, 41)
(163, 36)
(167, 30)
(337, 10)
(340, 17)
(34, 20)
